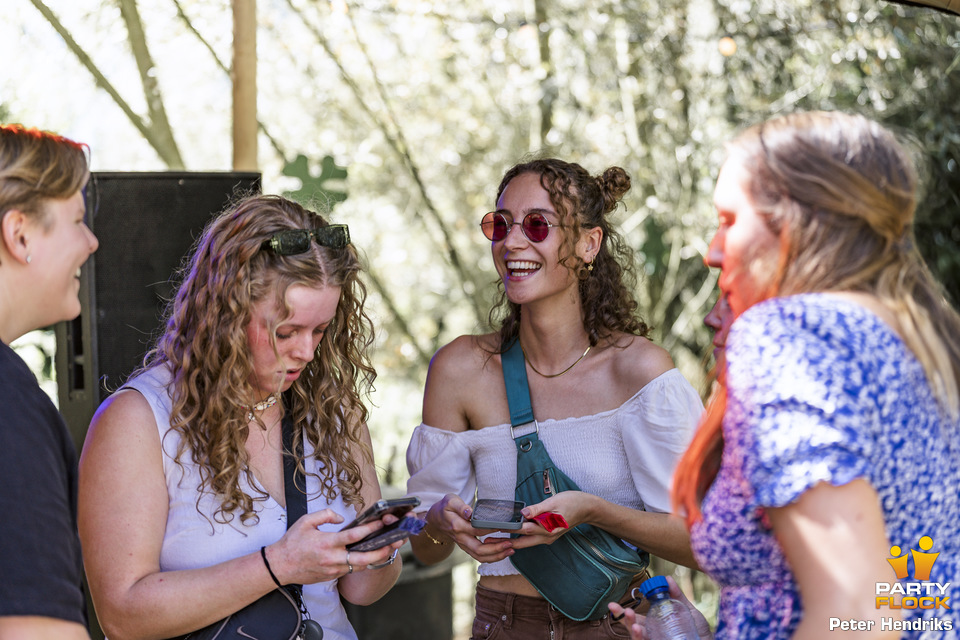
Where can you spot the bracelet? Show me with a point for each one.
(263, 554)
(432, 539)
(385, 563)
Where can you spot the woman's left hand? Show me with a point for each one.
(661, 534)
(572, 507)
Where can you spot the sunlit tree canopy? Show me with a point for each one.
(402, 115)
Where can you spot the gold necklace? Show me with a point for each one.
(260, 406)
(554, 375)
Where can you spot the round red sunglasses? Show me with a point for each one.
(534, 225)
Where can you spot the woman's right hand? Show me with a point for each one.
(450, 517)
(634, 621)
(307, 555)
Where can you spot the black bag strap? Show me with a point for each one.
(518, 389)
(295, 493)
(294, 482)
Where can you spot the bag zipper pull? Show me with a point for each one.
(547, 487)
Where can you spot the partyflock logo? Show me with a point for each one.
(916, 592)
(922, 562)
(920, 593)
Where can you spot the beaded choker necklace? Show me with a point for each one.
(260, 406)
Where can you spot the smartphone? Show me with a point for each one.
(400, 530)
(397, 507)
(497, 514)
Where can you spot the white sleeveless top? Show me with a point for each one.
(626, 455)
(193, 539)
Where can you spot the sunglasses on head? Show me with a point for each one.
(534, 225)
(290, 242)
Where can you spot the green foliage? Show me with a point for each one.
(38, 350)
(895, 63)
(428, 104)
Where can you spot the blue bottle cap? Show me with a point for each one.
(654, 584)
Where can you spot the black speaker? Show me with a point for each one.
(146, 224)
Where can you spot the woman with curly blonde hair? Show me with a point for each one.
(613, 411)
(182, 487)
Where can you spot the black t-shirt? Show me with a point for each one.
(41, 571)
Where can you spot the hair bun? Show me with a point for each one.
(613, 184)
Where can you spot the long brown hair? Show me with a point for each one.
(205, 346)
(841, 193)
(583, 201)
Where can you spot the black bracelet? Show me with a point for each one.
(263, 554)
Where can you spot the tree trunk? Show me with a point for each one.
(244, 76)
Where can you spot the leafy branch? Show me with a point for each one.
(395, 139)
(156, 131)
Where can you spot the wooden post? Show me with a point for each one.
(244, 76)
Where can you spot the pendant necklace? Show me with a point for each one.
(554, 375)
(260, 406)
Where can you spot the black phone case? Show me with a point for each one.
(381, 538)
(398, 507)
(399, 530)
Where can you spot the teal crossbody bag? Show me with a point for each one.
(585, 568)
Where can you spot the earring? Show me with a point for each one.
(29, 258)
(590, 267)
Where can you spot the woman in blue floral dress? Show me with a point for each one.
(822, 485)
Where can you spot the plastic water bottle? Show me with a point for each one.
(667, 619)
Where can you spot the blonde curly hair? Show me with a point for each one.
(204, 343)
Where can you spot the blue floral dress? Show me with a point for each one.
(821, 390)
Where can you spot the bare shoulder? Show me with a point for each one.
(123, 422)
(462, 357)
(460, 373)
(124, 405)
(637, 360)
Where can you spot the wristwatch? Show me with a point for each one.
(385, 563)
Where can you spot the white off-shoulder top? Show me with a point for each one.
(626, 455)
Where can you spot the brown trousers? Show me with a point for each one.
(507, 616)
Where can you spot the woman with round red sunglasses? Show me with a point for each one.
(613, 411)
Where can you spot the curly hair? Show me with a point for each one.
(840, 191)
(582, 201)
(204, 344)
(36, 166)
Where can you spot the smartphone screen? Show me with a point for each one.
(497, 514)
